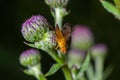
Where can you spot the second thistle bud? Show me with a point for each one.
(30, 57)
(57, 3)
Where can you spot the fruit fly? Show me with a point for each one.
(62, 36)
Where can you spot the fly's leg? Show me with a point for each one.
(56, 47)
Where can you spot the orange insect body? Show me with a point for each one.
(62, 45)
(62, 37)
(60, 40)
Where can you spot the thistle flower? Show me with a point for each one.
(30, 57)
(82, 37)
(34, 28)
(57, 3)
(75, 58)
(99, 50)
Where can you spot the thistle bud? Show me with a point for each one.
(30, 57)
(82, 38)
(99, 50)
(47, 42)
(34, 28)
(57, 3)
(75, 58)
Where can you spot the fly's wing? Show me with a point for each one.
(66, 31)
(67, 34)
(58, 33)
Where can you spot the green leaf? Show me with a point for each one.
(84, 66)
(117, 3)
(107, 72)
(52, 12)
(111, 8)
(29, 44)
(53, 69)
(28, 72)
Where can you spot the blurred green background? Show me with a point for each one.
(13, 13)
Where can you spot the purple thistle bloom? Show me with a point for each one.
(30, 57)
(99, 50)
(82, 37)
(56, 3)
(33, 28)
(76, 58)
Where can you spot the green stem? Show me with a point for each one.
(82, 78)
(37, 72)
(65, 68)
(54, 55)
(74, 71)
(99, 68)
(41, 77)
(67, 72)
(58, 17)
(90, 72)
